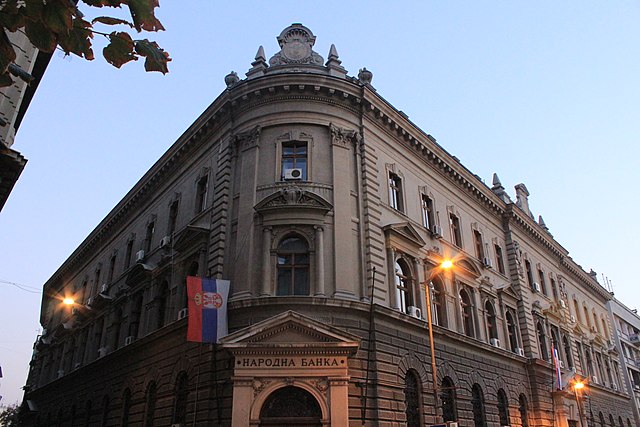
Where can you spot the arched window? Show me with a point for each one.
(612, 422)
(448, 397)
(181, 398)
(620, 422)
(467, 313)
(490, 315)
(293, 266)
(567, 351)
(87, 414)
(477, 402)
(194, 269)
(503, 408)
(586, 316)
(290, 406)
(412, 399)
(135, 315)
(542, 341)
(438, 302)
(150, 409)
(403, 285)
(605, 330)
(126, 407)
(601, 416)
(163, 303)
(522, 407)
(595, 321)
(105, 410)
(512, 331)
(576, 307)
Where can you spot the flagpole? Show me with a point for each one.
(369, 349)
(195, 406)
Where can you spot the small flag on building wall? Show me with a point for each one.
(207, 309)
(556, 364)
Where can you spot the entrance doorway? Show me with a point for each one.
(291, 406)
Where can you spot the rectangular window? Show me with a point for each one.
(477, 240)
(149, 237)
(527, 266)
(112, 267)
(201, 193)
(128, 253)
(543, 283)
(173, 218)
(294, 160)
(499, 259)
(454, 223)
(395, 192)
(427, 212)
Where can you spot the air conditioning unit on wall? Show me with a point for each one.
(182, 313)
(487, 262)
(140, 256)
(494, 342)
(292, 174)
(436, 230)
(536, 287)
(415, 312)
(166, 240)
(520, 351)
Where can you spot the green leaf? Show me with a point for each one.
(156, 58)
(119, 51)
(142, 14)
(107, 20)
(32, 9)
(7, 53)
(5, 80)
(10, 18)
(101, 3)
(78, 41)
(40, 35)
(58, 16)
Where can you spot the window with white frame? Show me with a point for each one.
(395, 192)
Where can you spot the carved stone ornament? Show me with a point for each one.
(342, 137)
(322, 385)
(247, 139)
(296, 42)
(258, 385)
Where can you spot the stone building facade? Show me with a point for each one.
(626, 327)
(331, 214)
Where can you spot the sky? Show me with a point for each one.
(544, 93)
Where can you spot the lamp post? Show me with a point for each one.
(444, 265)
(578, 386)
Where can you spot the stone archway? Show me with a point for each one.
(291, 406)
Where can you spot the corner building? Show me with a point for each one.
(312, 194)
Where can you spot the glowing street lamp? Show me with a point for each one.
(578, 386)
(68, 301)
(446, 264)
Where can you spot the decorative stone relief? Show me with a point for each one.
(258, 385)
(296, 42)
(322, 385)
(342, 137)
(248, 139)
(518, 255)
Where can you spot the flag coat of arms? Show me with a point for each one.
(207, 309)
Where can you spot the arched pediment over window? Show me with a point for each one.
(307, 205)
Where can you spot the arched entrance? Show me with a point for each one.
(291, 406)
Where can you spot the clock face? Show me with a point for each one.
(296, 50)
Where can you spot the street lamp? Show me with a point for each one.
(578, 386)
(445, 265)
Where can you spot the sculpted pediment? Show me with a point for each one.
(405, 231)
(507, 291)
(293, 196)
(290, 330)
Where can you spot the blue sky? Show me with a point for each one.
(544, 93)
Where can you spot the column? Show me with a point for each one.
(319, 261)
(266, 262)
(391, 260)
(339, 400)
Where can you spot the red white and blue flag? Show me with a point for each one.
(207, 309)
(556, 364)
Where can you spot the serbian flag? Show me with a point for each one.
(207, 309)
(556, 363)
